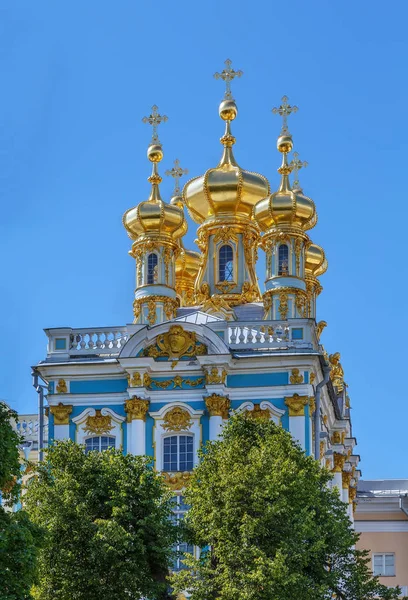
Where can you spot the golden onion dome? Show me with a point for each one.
(286, 206)
(226, 190)
(188, 261)
(315, 260)
(155, 217)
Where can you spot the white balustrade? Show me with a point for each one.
(97, 341)
(267, 335)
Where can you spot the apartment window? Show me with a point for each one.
(99, 443)
(178, 453)
(181, 547)
(384, 564)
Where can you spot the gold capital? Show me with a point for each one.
(61, 413)
(136, 409)
(346, 478)
(296, 405)
(339, 460)
(217, 406)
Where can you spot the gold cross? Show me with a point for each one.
(154, 119)
(176, 172)
(284, 110)
(296, 165)
(228, 75)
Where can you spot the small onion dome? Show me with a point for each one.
(155, 217)
(286, 206)
(226, 190)
(187, 265)
(315, 261)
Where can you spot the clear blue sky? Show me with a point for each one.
(77, 77)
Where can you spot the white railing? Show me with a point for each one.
(267, 335)
(97, 341)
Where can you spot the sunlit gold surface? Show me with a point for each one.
(315, 260)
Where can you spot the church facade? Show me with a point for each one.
(205, 341)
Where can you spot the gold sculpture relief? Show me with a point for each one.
(352, 494)
(61, 413)
(61, 387)
(298, 250)
(301, 303)
(177, 481)
(336, 437)
(336, 373)
(322, 450)
(152, 314)
(176, 382)
(225, 234)
(312, 377)
(147, 380)
(98, 424)
(259, 413)
(296, 377)
(339, 460)
(312, 406)
(137, 309)
(345, 479)
(296, 405)
(177, 419)
(217, 406)
(170, 307)
(136, 409)
(176, 343)
(214, 376)
(135, 380)
(319, 328)
(283, 306)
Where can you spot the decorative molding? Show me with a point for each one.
(339, 460)
(176, 343)
(214, 376)
(380, 526)
(177, 419)
(176, 481)
(296, 378)
(61, 387)
(296, 405)
(259, 413)
(136, 409)
(217, 405)
(98, 424)
(61, 413)
(176, 382)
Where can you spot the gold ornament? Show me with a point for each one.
(283, 306)
(322, 450)
(151, 315)
(346, 478)
(296, 378)
(213, 376)
(217, 406)
(312, 405)
(336, 437)
(258, 413)
(336, 373)
(352, 494)
(312, 377)
(98, 424)
(135, 380)
(147, 380)
(177, 382)
(61, 387)
(177, 481)
(339, 460)
(170, 306)
(319, 328)
(177, 419)
(136, 409)
(176, 343)
(61, 413)
(296, 405)
(225, 234)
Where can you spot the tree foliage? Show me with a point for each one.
(19, 538)
(108, 530)
(270, 526)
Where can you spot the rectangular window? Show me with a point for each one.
(178, 453)
(384, 564)
(297, 333)
(181, 547)
(60, 343)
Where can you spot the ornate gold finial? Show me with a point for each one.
(284, 110)
(154, 119)
(176, 172)
(228, 75)
(296, 165)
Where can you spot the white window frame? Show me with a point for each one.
(93, 437)
(180, 512)
(178, 436)
(383, 555)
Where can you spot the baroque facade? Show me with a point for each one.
(205, 340)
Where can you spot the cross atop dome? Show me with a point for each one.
(176, 172)
(296, 165)
(154, 119)
(284, 110)
(228, 75)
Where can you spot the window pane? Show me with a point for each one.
(186, 453)
(152, 268)
(283, 259)
(389, 560)
(170, 453)
(225, 263)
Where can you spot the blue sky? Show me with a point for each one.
(77, 78)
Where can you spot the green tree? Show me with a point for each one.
(269, 525)
(19, 538)
(107, 522)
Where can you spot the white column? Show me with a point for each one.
(136, 409)
(297, 420)
(339, 460)
(61, 414)
(217, 406)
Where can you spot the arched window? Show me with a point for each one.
(181, 547)
(152, 268)
(226, 263)
(283, 267)
(99, 443)
(178, 453)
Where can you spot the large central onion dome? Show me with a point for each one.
(286, 206)
(226, 190)
(155, 218)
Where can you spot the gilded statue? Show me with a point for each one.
(336, 373)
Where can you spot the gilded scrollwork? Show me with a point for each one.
(61, 413)
(98, 424)
(136, 408)
(177, 419)
(175, 344)
(217, 405)
(296, 405)
(296, 377)
(177, 481)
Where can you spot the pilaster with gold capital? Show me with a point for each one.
(297, 420)
(338, 464)
(346, 478)
(61, 414)
(136, 409)
(218, 407)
